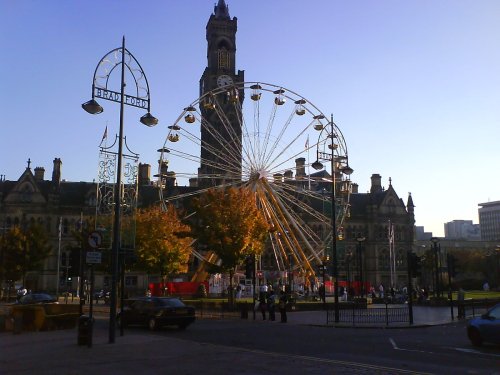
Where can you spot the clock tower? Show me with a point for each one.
(221, 137)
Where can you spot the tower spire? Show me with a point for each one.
(221, 10)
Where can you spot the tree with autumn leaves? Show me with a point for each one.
(230, 224)
(160, 246)
(23, 250)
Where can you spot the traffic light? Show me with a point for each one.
(453, 266)
(249, 266)
(416, 265)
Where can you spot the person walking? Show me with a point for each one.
(381, 291)
(271, 305)
(263, 305)
(282, 306)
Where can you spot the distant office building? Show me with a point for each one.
(489, 220)
(462, 230)
(421, 234)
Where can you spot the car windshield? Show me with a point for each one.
(170, 302)
(495, 312)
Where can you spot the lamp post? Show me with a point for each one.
(119, 57)
(497, 252)
(436, 246)
(360, 241)
(339, 165)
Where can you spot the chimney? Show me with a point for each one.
(288, 175)
(39, 173)
(170, 180)
(193, 182)
(56, 172)
(278, 178)
(354, 188)
(376, 183)
(300, 168)
(144, 174)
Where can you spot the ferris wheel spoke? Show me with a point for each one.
(248, 148)
(296, 204)
(287, 147)
(278, 139)
(235, 138)
(224, 146)
(292, 228)
(305, 232)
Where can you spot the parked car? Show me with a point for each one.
(36, 298)
(485, 328)
(155, 312)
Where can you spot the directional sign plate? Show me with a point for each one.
(94, 257)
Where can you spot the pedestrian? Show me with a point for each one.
(486, 286)
(322, 292)
(381, 291)
(263, 305)
(461, 307)
(238, 291)
(271, 305)
(282, 306)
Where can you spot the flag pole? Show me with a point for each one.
(58, 259)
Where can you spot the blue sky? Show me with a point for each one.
(413, 85)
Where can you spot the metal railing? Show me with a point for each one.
(221, 310)
(471, 308)
(360, 314)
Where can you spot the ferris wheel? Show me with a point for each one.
(278, 144)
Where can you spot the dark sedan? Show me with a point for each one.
(36, 298)
(486, 328)
(156, 312)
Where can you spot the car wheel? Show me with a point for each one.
(152, 324)
(475, 337)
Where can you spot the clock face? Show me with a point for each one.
(224, 80)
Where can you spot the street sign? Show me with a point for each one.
(95, 240)
(94, 257)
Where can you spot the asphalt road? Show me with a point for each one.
(439, 349)
(250, 347)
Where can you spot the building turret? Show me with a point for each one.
(300, 168)
(39, 173)
(410, 206)
(376, 183)
(144, 174)
(221, 10)
(56, 173)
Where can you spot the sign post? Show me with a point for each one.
(93, 257)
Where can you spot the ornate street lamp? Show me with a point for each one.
(339, 164)
(436, 246)
(122, 58)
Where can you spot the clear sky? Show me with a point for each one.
(414, 85)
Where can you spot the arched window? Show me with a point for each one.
(92, 200)
(223, 58)
(383, 259)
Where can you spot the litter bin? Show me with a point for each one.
(84, 330)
